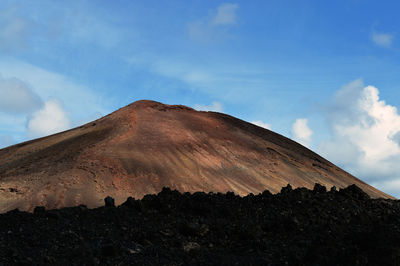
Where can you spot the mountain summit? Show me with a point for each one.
(147, 145)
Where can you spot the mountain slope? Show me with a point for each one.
(148, 145)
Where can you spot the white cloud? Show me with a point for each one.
(49, 120)
(382, 39)
(78, 100)
(261, 124)
(215, 26)
(17, 97)
(301, 132)
(215, 107)
(226, 14)
(365, 134)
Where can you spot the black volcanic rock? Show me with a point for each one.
(294, 227)
(109, 202)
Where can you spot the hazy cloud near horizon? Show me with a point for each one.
(261, 124)
(365, 132)
(301, 132)
(32, 98)
(51, 119)
(17, 96)
(6, 140)
(214, 106)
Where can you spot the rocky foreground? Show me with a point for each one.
(293, 227)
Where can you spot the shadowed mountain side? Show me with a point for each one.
(147, 145)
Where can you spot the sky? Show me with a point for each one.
(324, 73)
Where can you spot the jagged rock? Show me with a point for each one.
(319, 188)
(286, 189)
(109, 202)
(266, 193)
(39, 210)
(354, 192)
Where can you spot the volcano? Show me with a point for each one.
(147, 145)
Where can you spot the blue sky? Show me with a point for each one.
(325, 73)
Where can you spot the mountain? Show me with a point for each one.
(147, 145)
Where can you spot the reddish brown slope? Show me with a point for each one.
(147, 145)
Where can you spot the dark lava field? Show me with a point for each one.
(293, 227)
